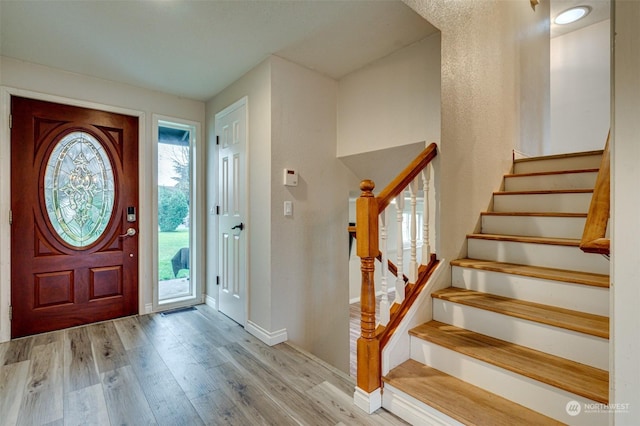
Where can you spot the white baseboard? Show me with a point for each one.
(270, 338)
(148, 308)
(210, 301)
(368, 402)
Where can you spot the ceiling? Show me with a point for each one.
(194, 49)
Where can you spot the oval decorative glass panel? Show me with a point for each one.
(79, 189)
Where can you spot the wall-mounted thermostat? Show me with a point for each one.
(290, 177)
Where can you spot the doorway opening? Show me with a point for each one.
(176, 283)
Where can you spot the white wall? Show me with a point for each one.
(391, 102)
(580, 89)
(31, 78)
(298, 273)
(484, 45)
(256, 85)
(310, 249)
(625, 323)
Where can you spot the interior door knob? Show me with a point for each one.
(240, 227)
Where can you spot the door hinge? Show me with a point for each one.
(10, 312)
(10, 217)
(217, 279)
(217, 140)
(11, 121)
(217, 209)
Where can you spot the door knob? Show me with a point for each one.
(241, 226)
(130, 233)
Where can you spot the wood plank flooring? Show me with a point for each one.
(189, 368)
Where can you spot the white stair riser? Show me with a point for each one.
(583, 180)
(545, 255)
(556, 164)
(577, 297)
(569, 344)
(534, 226)
(412, 410)
(530, 393)
(543, 203)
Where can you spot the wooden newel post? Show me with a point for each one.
(368, 377)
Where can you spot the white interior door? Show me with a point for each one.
(231, 131)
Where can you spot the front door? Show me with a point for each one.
(231, 132)
(74, 197)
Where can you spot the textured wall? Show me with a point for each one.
(484, 46)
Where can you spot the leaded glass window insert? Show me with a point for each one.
(79, 189)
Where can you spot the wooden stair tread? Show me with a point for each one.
(571, 242)
(581, 322)
(462, 401)
(571, 376)
(536, 214)
(554, 156)
(544, 192)
(555, 172)
(564, 275)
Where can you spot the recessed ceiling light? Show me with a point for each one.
(572, 15)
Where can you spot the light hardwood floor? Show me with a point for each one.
(189, 368)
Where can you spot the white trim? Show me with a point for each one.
(5, 206)
(270, 338)
(210, 301)
(148, 308)
(413, 411)
(196, 214)
(368, 402)
(5, 193)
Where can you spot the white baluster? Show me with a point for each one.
(413, 261)
(384, 302)
(426, 248)
(399, 249)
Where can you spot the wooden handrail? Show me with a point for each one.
(368, 208)
(406, 176)
(594, 238)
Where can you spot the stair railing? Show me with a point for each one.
(373, 217)
(594, 238)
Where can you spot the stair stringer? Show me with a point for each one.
(398, 349)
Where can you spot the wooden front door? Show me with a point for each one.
(74, 252)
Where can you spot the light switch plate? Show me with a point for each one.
(288, 208)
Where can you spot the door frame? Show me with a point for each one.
(144, 263)
(197, 234)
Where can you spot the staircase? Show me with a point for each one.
(521, 336)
